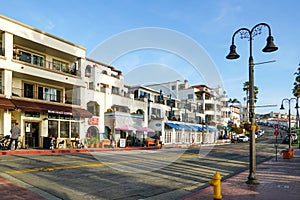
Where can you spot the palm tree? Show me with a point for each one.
(246, 89)
(233, 101)
(296, 92)
(296, 89)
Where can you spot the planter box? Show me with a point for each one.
(288, 153)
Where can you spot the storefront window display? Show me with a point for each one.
(63, 126)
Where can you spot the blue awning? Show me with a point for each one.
(172, 125)
(190, 127)
(185, 127)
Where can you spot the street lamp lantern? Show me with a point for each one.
(270, 47)
(232, 54)
(289, 116)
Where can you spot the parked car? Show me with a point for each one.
(286, 139)
(243, 138)
(258, 134)
(295, 137)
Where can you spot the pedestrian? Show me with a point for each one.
(15, 133)
(236, 139)
(161, 142)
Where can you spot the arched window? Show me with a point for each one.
(93, 107)
(88, 70)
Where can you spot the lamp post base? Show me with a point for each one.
(252, 179)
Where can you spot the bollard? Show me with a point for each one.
(216, 182)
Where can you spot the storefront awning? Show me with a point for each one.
(190, 127)
(172, 125)
(51, 108)
(79, 112)
(6, 104)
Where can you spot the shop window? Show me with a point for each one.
(32, 114)
(53, 128)
(74, 129)
(64, 129)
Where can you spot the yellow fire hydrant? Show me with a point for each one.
(216, 182)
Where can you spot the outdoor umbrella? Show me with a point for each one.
(125, 128)
(145, 129)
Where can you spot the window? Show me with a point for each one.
(61, 66)
(74, 129)
(25, 57)
(91, 86)
(64, 129)
(32, 114)
(93, 107)
(88, 70)
(37, 60)
(28, 90)
(144, 95)
(53, 128)
(2, 52)
(190, 96)
(156, 112)
(173, 87)
(1, 89)
(49, 94)
(30, 57)
(115, 90)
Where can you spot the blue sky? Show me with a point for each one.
(210, 24)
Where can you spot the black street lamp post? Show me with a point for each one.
(270, 47)
(289, 116)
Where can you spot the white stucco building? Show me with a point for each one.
(41, 84)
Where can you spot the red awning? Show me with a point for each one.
(51, 108)
(6, 104)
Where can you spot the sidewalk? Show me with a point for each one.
(277, 180)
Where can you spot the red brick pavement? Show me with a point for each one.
(11, 191)
(278, 180)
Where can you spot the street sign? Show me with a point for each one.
(276, 132)
(276, 126)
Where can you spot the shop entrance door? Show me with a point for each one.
(32, 134)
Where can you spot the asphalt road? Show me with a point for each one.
(155, 174)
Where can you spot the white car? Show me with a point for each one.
(243, 138)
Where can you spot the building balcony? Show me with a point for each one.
(53, 66)
(50, 95)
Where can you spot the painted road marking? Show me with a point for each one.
(95, 164)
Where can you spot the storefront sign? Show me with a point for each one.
(94, 121)
(122, 143)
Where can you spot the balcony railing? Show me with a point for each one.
(44, 96)
(55, 66)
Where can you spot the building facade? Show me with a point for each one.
(52, 89)
(41, 84)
